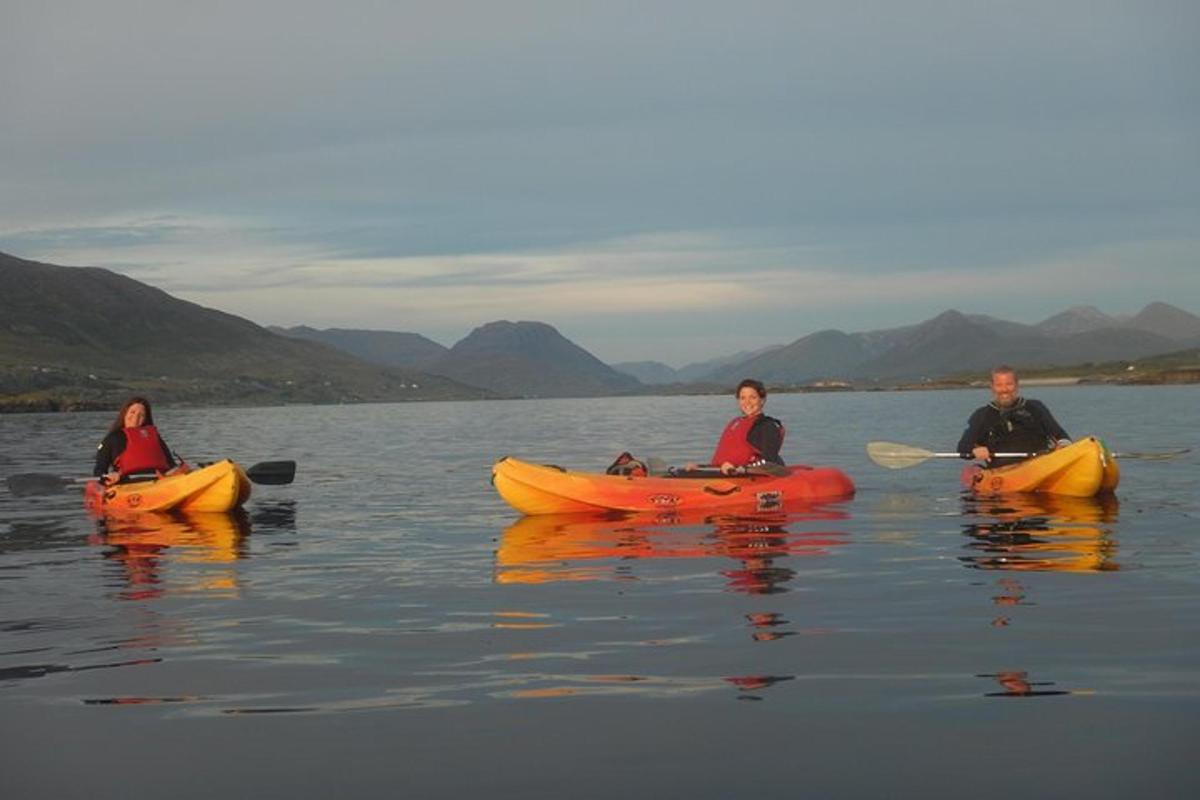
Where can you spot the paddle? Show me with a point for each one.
(658, 467)
(35, 483)
(901, 456)
(1161, 455)
(272, 473)
(265, 473)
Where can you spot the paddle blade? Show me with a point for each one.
(272, 473)
(897, 456)
(1163, 455)
(34, 483)
(657, 466)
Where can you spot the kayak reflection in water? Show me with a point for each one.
(175, 553)
(1041, 533)
(1016, 683)
(751, 439)
(132, 444)
(1009, 424)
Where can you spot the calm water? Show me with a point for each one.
(386, 626)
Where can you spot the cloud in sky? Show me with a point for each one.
(647, 177)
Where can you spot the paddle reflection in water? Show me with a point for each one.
(161, 553)
(609, 546)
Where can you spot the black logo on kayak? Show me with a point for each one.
(768, 501)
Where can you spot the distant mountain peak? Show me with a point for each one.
(529, 359)
(1076, 319)
(1167, 320)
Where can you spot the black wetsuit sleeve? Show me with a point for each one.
(111, 447)
(973, 436)
(767, 438)
(1048, 422)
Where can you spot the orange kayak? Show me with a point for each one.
(222, 486)
(542, 489)
(1084, 468)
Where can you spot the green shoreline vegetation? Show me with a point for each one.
(50, 389)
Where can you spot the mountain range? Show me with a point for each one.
(954, 343)
(85, 336)
(511, 359)
(88, 337)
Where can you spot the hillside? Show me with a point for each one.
(953, 343)
(385, 348)
(651, 373)
(825, 355)
(530, 359)
(83, 337)
(87, 337)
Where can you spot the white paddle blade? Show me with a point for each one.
(897, 456)
(1164, 455)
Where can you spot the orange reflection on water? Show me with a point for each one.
(1041, 533)
(579, 547)
(190, 548)
(1016, 683)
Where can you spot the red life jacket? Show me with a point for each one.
(733, 446)
(143, 452)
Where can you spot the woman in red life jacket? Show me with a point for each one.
(132, 444)
(752, 439)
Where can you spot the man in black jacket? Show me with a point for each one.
(1009, 424)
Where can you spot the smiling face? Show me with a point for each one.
(750, 401)
(1004, 388)
(135, 416)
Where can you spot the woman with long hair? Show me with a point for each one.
(132, 444)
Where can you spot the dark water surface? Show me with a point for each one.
(386, 626)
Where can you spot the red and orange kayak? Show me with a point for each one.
(1084, 468)
(543, 489)
(222, 486)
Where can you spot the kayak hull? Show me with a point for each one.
(1084, 468)
(542, 489)
(222, 486)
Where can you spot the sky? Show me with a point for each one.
(660, 180)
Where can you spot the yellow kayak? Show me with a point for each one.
(222, 486)
(1084, 468)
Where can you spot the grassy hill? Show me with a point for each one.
(82, 337)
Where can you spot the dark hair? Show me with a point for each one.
(1002, 369)
(119, 422)
(753, 384)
